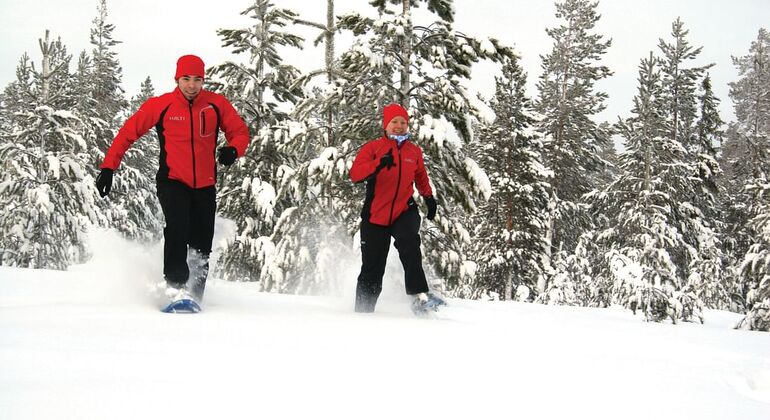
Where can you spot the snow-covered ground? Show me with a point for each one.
(90, 344)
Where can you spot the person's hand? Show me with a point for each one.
(227, 155)
(431, 202)
(104, 182)
(386, 160)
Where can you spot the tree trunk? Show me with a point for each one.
(329, 62)
(259, 66)
(508, 294)
(45, 48)
(407, 56)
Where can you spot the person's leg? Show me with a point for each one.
(406, 232)
(202, 213)
(174, 199)
(375, 242)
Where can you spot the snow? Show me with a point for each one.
(487, 47)
(479, 177)
(90, 344)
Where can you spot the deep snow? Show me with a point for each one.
(90, 344)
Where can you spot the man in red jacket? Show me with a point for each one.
(188, 121)
(391, 165)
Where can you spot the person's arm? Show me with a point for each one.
(366, 163)
(236, 131)
(421, 179)
(423, 187)
(134, 127)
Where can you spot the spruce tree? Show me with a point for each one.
(708, 277)
(568, 102)
(132, 208)
(752, 138)
(46, 192)
(696, 212)
(641, 230)
(260, 88)
(509, 238)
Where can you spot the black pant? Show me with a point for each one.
(375, 243)
(189, 215)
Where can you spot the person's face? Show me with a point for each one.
(190, 86)
(397, 126)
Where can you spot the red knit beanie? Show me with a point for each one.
(189, 65)
(391, 111)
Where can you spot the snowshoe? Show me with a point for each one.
(181, 301)
(425, 303)
(182, 306)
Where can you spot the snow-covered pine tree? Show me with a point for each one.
(509, 237)
(708, 277)
(392, 60)
(259, 88)
(696, 214)
(132, 208)
(107, 73)
(642, 231)
(328, 30)
(46, 193)
(755, 266)
(744, 157)
(302, 253)
(752, 141)
(710, 126)
(573, 141)
(733, 155)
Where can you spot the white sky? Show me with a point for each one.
(154, 33)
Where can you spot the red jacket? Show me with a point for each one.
(389, 191)
(187, 133)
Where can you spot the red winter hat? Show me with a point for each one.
(391, 111)
(189, 65)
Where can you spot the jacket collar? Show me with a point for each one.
(179, 95)
(389, 140)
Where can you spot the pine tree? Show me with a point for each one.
(568, 101)
(733, 155)
(752, 135)
(46, 193)
(509, 237)
(132, 208)
(372, 73)
(697, 196)
(107, 73)
(642, 231)
(708, 278)
(257, 88)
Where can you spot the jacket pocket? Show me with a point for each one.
(208, 121)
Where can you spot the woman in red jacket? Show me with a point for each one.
(188, 121)
(391, 166)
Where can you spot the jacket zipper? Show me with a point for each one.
(192, 146)
(398, 186)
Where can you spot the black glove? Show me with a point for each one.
(104, 182)
(431, 202)
(227, 155)
(386, 161)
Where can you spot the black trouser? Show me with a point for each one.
(189, 215)
(375, 243)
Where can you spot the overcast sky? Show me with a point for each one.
(154, 33)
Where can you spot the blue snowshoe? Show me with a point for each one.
(425, 303)
(182, 306)
(181, 302)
